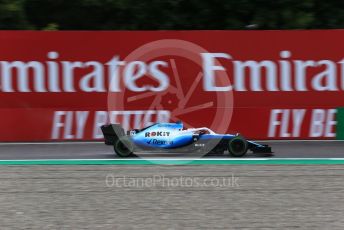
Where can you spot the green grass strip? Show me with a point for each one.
(280, 161)
(340, 124)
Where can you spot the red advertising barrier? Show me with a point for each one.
(263, 84)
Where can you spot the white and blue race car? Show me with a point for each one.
(172, 137)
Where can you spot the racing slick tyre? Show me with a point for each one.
(124, 147)
(237, 146)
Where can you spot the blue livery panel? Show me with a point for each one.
(164, 135)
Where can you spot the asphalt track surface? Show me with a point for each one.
(170, 196)
(79, 150)
(262, 197)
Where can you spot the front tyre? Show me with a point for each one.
(124, 147)
(237, 146)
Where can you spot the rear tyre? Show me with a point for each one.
(237, 146)
(124, 147)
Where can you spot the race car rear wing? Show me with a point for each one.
(112, 132)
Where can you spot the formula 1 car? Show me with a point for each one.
(172, 137)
